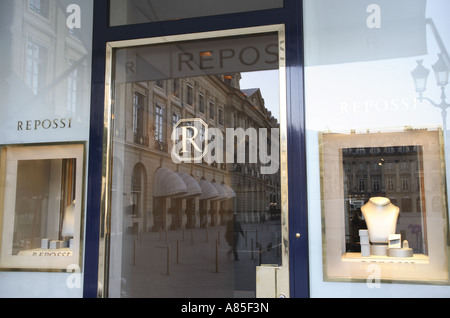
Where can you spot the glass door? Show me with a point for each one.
(196, 176)
(376, 77)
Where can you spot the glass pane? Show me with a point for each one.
(45, 91)
(46, 70)
(396, 173)
(42, 214)
(377, 146)
(196, 187)
(124, 12)
(40, 221)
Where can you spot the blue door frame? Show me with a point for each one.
(291, 17)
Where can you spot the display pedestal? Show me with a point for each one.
(356, 257)
(378, 249)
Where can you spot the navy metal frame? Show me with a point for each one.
(291, 17)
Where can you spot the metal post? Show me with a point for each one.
(168, 259)
(217, 256)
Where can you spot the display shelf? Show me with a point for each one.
(356, 257)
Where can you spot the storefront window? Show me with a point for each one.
(44, 129)
(377, 147)
(198, 209)
(124, 12)
(43, 201)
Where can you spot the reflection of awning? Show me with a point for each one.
(209, 192)
(180, 185)
(193, 188)
(230, 192)
(222, 193)
(168, 183)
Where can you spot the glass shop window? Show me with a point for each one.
(376, 79)
(42, 206)
(200, 207)
(44, 128)
(28, 231)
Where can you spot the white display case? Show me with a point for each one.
(41, 202)
(405, 169)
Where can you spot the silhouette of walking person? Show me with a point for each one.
(232, 236)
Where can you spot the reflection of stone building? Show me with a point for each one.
(392, 172)
(50, 62)
(160, 194)
(45, 85)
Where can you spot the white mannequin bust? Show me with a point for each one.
(381, 218)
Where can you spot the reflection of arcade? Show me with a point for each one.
(177, 194)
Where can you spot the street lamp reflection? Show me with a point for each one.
(420, 76)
